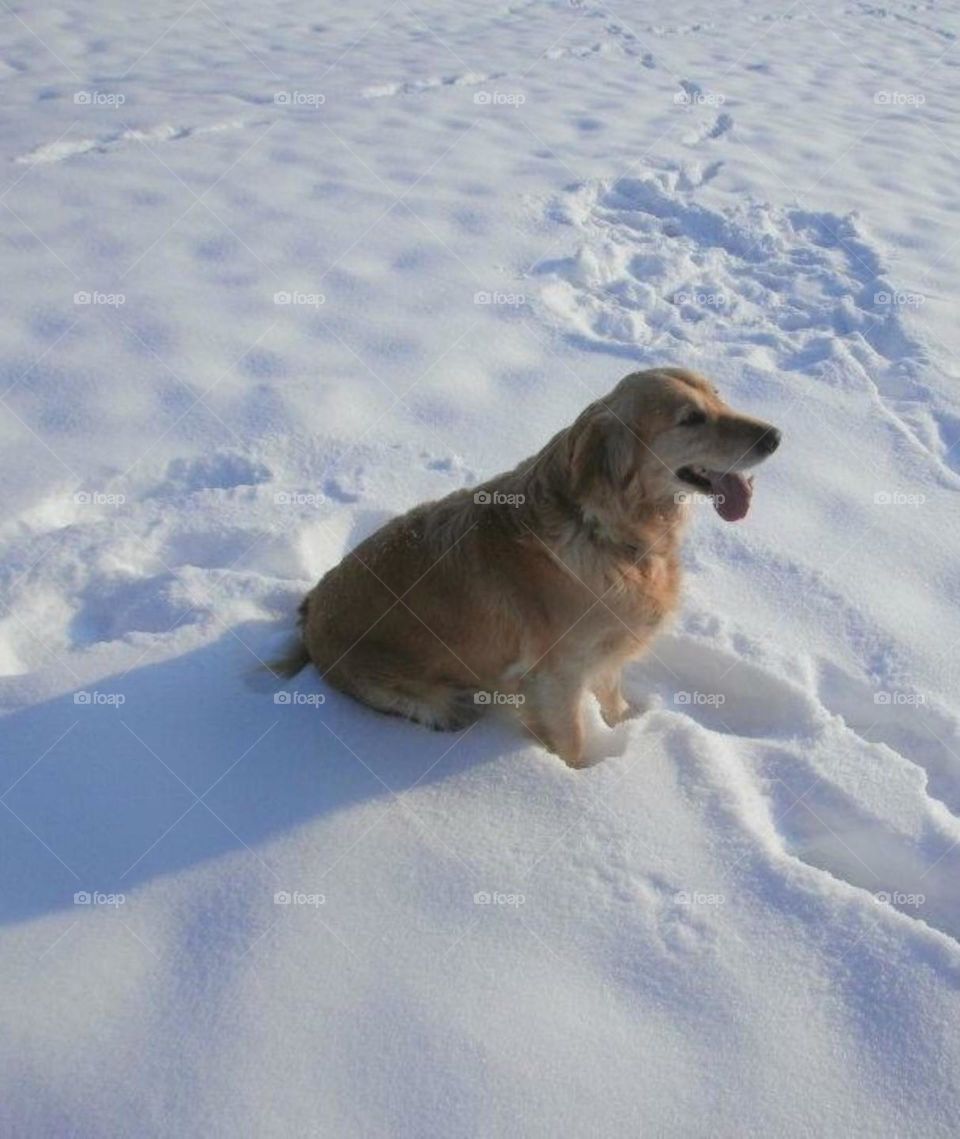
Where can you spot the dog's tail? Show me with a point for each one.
(296, 657)
(287, 666)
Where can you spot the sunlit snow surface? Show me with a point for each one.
(274, 273)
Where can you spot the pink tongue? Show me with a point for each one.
(731, 495)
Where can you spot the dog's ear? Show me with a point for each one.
(600, 452)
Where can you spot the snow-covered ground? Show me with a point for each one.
(275, 272)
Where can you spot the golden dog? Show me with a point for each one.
(540, 584)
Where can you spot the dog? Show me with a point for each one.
(539, 585)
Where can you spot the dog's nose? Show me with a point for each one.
(769, 441)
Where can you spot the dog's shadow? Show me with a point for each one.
(101, 787)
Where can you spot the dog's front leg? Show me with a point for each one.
(613, 707)
(553, 712)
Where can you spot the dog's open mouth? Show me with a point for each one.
(730, 490)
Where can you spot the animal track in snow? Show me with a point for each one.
(620, 42)
(705, 133)
(111, 610)
(916, 871)
(822, 807)
(433, 83)
(579, 51)
(722, 691)
(222, 470)
(682, 924)
(452, 465)
(154, 562)
(891, 14)
(666, 30)
(64, 149)
(345, 488)
(655, 269)
(901, 720)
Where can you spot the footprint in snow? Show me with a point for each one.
(682, 915)
(902, 719)
(432, 83)
(915, 870)
(112, 610)
(724, 692)
(738, 263)
(720, 126)
(222, 470)
(67, 148)
(345, 488)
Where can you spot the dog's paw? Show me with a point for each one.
(574, 756)
(614, 714)
(624, 710)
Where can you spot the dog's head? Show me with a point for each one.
(660, 434)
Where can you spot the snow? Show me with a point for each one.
(276, 273)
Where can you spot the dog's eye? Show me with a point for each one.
(693, 418)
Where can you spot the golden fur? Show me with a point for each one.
(539, 585)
